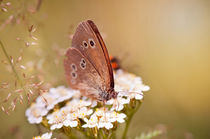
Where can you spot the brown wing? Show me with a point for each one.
(81, 74)
(89, 42)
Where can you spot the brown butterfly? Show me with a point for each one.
(87, 64)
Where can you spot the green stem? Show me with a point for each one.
(67, 131)
(9, 60)
(102, 134)
(85, 133)
(13, 67)
(130, 116)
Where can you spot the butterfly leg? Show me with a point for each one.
(104, 107)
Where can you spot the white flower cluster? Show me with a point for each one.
(47, 101)
(80, 111)
(103, 118)
(69, 114)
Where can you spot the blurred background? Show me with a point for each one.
(166, 42)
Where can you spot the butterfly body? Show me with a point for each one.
(87, 64)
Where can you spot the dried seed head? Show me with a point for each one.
(18, 90)
(18, 39)
(19, 59)
(11, 59)
(7, 98)
(22, 67)
(28, 97)
(34, 43)
(15, 100)
(21, 99)
(13, 106)
(27, 44)
(4, 9)
(8, 4)
(33, 37)
(4, 85)
(33, 30)
(2, 108)
(40, 83)
(30, 28)
(31, 92)
(24, 75)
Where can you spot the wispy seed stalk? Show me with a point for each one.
(11, 64)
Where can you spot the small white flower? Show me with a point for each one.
(94, 103)
(92, 122)
(100, 112)
(76, 94)
(119, 117)
(145, 88)
(55, 96)
(34, 114)
(103, 119)
(47, 100)
(44, 136)
(104, 122)
(71, 123)
(62, 93)
(79, 103)
(118, 103)
(62, 118)
(128, 82)
(136, 95)
(83, 112)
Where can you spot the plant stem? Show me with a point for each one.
(85, 133)
(9, 60)
(130, 116)
(11, 64)
(67, 131)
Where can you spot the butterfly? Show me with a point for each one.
(87, 64)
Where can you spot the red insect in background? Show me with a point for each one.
(115, 62)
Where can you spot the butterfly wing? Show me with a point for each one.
(81, 74)
(89, 42)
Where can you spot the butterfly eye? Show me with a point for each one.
(85, 44)
(73, 66)
(74, 75)
(92, 43)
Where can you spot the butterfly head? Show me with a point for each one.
(107, 95)
(114, 94)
